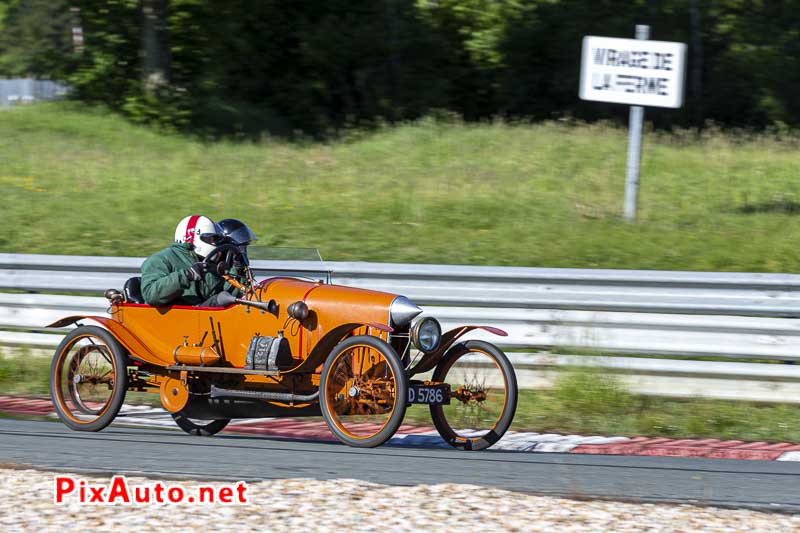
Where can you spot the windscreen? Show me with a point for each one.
(269, 261)
(280, 253)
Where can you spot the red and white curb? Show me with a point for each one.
(427, 437)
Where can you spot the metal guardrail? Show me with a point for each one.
(706, 293)
(686, 314)
(640, 333)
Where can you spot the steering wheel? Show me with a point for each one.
(222, 258)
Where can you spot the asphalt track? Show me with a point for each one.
(753, 484)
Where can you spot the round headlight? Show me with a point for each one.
(426, 334)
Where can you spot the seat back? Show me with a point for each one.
(133, 290)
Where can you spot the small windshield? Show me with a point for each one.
(280, 253)
(271, 261)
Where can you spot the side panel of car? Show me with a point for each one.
(129, 341)
(337, 312)
(154, 334)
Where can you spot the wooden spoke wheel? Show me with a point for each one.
(202, 428)
(483, 395)
(363, 391)
(88, 378)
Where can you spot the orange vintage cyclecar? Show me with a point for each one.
(288, 346)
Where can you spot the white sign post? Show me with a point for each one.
(637, 72)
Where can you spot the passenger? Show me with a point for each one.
(177, 275)
(236, 232)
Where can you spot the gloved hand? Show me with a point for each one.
(196, 271)
(241, 260)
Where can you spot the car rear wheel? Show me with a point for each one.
(363, 391)
(201, 428)
(88, 378)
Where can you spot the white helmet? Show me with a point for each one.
(199, 231)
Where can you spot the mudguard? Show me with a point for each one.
(430, 360)
(137, 349)
(326, 344)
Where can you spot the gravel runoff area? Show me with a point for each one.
(352, 505)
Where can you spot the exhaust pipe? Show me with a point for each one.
(217, 392)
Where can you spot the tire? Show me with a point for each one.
(88, 378)
(478, 414)
(200, 428)
(363, 407)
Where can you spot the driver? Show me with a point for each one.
(177, 275)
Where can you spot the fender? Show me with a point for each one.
(323, 348)
(136, 348)
(430, 360)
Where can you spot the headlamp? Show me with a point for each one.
(426, 334)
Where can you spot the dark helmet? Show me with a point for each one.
(237, 231)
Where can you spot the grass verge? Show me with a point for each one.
(23, 374)
(77, 180)
(586, 402)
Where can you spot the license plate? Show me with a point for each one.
(429, 394)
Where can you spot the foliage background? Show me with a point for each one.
(312, 67)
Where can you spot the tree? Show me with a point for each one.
(36, 40)
(155, 46)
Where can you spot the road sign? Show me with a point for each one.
(632, 71)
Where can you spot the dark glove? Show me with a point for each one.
(196, 271)
(240, 260)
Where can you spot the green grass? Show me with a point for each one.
(586, 402)
(24, 374)
(82, 181)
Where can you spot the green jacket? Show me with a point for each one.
(165, 281)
